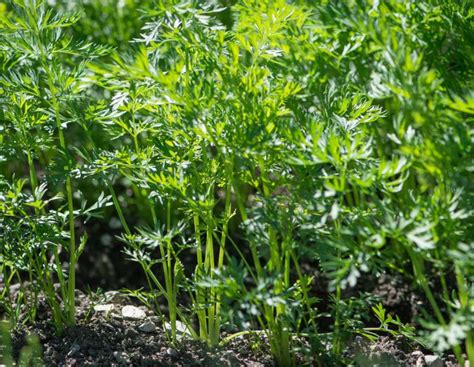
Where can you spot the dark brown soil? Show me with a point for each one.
(394, 352)
(107, 339)
(101, 339)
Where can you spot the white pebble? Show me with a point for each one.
(133, 313)
(104, 308)
(433, 361)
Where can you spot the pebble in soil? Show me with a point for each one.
(132, 338)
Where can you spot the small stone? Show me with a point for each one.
(467, 364)
(104, 308)
(122, 357)
(133, 313)
(417, 354)
(171, 352)
(432, 360)
(74, 349)
(147, 327)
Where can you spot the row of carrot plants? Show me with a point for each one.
(265, 138)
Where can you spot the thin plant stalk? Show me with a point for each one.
(417, 264)
(70, 301)
(201, 313)
(464, 300)
(220, 264)
(279, 328)
(209, 265)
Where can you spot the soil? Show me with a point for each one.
(108, 339)
(103, 338)
(389, 351)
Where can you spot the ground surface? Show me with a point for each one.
(104, 337)
(118, 332)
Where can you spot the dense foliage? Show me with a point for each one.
(265, 138)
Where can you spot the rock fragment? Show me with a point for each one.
(432, 360)
(104, 308)
(133, 313)
(147, 327)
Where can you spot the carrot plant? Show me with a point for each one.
(171, 172)
(415, 73)
(41, 81)
(283, 146)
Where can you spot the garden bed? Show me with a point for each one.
(114, 330)
(265, 182)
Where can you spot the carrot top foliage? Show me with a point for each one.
(288, 146)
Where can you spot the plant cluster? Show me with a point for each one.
(263, 138)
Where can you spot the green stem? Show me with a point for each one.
(423, 282)
(337, 323)
(31, 168)
(166, 265)
(417, 263)
(244, 216)
(171, 288)
(209, 266)
(220, 263)
(46, 64)
(306, 296)
(182, 317)
(201, 314)
(278, 324)
(444, 286)
(142, 171)
(118, 208)
(464, 300)
(115, 200)
(168, 215)
(70, 301)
